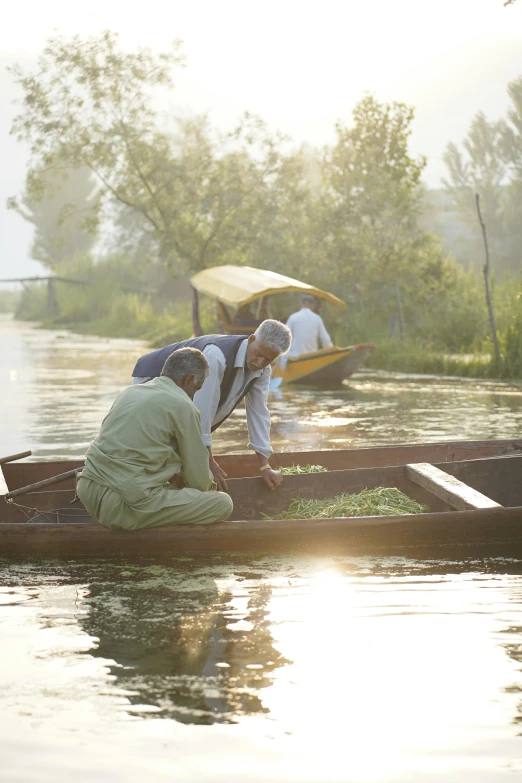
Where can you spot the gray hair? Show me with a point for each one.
(186, 361)
(308, 299)
(274, 335)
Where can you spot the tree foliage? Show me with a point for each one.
(183, 196)
(61, 204)
(489, 163)
(196, 190)
(372, 191)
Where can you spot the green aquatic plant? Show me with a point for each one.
(294, 470)
(368, 503)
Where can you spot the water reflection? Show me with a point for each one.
(332, 658)
(196, 646)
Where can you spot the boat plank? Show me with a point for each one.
(448, 488)
(498, 478)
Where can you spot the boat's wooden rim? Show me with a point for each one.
(240, 465)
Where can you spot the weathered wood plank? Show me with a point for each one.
(243, 465)
(13, 457)
(412, 535)
(448, 488)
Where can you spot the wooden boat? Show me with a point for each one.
(328, 367)
(238, 286)
(474, 508)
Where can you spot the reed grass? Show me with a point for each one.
(380, 501)
(294, 470)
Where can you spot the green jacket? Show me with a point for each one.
(152, 432)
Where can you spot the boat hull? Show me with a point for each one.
(439, 532)
(327, 368)
(496, 532)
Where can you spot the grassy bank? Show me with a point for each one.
(107, 311)
(415, 358)
(128, 316)
(9, 301)
(132, 318)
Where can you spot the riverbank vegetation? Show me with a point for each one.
(126, 206)
(9, 301)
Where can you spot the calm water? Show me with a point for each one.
(57, 387)
(274, 670)
(238, 669)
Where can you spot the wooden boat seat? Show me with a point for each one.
(448, 488)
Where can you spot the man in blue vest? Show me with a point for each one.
(239, 368)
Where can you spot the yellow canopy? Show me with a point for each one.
(239, 285)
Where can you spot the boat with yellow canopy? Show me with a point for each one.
(238, 287)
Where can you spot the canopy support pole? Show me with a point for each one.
(196, 326)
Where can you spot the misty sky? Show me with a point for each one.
(300, 65)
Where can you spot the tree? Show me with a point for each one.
(199, 192)
(479, 168)
(88, 105)
(372, 202)
(63, 216)
(511, 146)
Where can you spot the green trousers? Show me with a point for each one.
(162, 507)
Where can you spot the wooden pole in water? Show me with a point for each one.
(52, 304)
(485, 272)
(399, 308)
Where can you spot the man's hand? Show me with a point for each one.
(219, 475)
(272, 478)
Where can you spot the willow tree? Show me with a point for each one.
(199, 192)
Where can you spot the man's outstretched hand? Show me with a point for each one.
(272, 478)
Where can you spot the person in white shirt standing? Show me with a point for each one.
(307, 329)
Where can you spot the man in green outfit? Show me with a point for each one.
(152, 436)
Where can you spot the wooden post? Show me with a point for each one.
(399, 308)
(52, 304)
(196, 326)
(393, 322)
(361, 302)
(485, 272)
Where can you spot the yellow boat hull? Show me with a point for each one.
(328, 367)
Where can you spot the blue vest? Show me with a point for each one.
(151, 365)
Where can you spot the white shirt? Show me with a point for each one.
(307, 329)
(257, 414)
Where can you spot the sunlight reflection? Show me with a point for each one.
(304, 670)
(385, 673)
